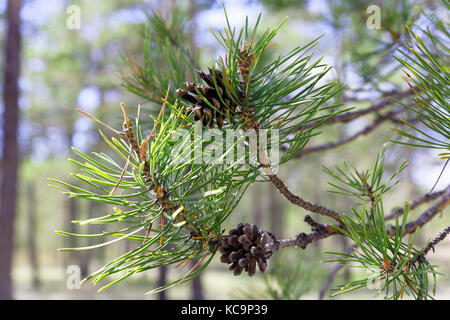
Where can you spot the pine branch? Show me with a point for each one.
(352, 115)
(294, 199)
(192, 199)
(441, 236)
(302, 240)
(330, 145)
(427, 215)
(253, 121)
(426, 73)
(414, 204)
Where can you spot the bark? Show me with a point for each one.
(10, 145)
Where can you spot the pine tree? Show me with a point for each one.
(178, 185)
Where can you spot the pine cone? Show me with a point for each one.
(244, 248)
(219, 98)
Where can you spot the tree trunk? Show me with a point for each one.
(31, 235)
(197, 288)
(162, 280)
(10, 145)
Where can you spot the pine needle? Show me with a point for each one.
(100, 122)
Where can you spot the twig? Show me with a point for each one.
(424, 199)
(100, 122)
(364, 131)
(441, 236)
(426, 216)
(302, 240)
(351, 115)
(320, 231)
(312, 207)
(440, 175)
(315, 226)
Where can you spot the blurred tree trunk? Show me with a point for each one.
(10, 145)
(197, 288)
(162, 280)
(31, 235)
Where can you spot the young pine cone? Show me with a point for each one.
(244, 248)
(201, 110)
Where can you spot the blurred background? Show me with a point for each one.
(71, 56)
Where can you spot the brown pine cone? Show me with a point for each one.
(244, 248)
(217, 97)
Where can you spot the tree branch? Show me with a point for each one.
(424, 199)
(410, 227)
(330, 145)
(320, 231)
(312, 207)
(427, 215)
(302, 240)
(441, 236)
(351, 115)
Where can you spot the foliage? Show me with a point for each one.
(426, 69)
(167, 59)
(365, 185)
(173, 188)
(392, 264)
(372, 57)
(191, 197)
(284, 95)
